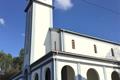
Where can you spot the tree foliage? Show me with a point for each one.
(10, 65)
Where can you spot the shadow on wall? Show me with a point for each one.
(47, 42)
(115, 54)
(109, 56)
(79, 77)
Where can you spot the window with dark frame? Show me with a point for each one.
(48, 74)
(67, 73)
(73, 44)
(112, 52)
(92, 74)
(95, 48)
(26, 74)
(36, 76)
(115, 75)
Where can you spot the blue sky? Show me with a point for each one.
(99, 18)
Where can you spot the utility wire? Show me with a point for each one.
(108, 9)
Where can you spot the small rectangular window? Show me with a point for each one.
(73, 44)
(55, 45)
(95, 48)
(112, 52)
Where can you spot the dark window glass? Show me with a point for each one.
(73, 44)
(112, 52)
(115, 76)
(92, 75)
(47, 74)
(36, 77)
(95, 48)
(67, 73)
(26, 75)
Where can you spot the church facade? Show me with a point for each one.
(58, 54)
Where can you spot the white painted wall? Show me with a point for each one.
(103, 69)
(55, 37)
(41, 22)
(85, 46)
(60, 65)
(85, 68)
(85, 61)
(109, 72)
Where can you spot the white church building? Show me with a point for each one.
(58, 54)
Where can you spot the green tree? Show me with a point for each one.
(18, 61)
(10, 65)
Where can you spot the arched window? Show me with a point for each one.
(26, 74)
(48, 74)
(115, 76)
(67, 73)
(92, 74)
(36, 77)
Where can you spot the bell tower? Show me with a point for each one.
(39, 18)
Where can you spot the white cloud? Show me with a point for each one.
(23, 34)
(63, 4)
(2, 21)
